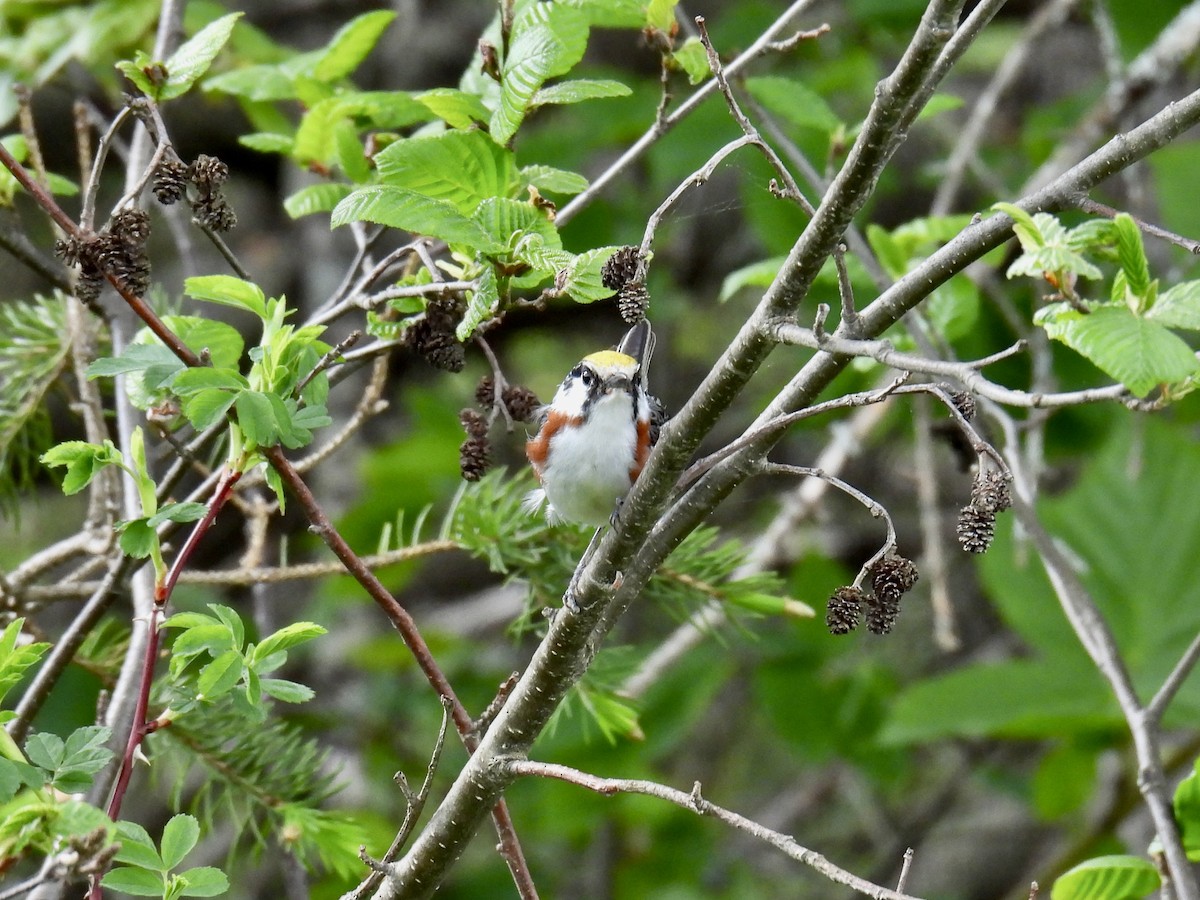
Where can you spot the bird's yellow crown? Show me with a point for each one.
(610, 359)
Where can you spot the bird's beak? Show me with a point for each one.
(617, 383)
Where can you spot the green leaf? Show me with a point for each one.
(584, 281)
(660, 14)
(507, 222)
(397, 207)
(136, 71)
(204, 881)
(287, 691)
(554, 181)
(1138, 353)
(315, 198)
(257, 83)
(1132, 255)
(793, 101)
(194, 56)
(256, 417)
(939, 103)
(266, 142)
(1178, 306)
(692, 58)
(85, 751)
(177, 512)
(1019, 698)
(351, 155)
(482, 304)
(227, 291)
(350, 46)
(180, 835)
(579, 90)
(1024, 226)
(222, 342)
(14, 661)
(202, 378)
(45, 750)
(1187, 813)
(1108, 878)
(316, 138)
(138, 539)
(462, 168)
(758, 274)
(138, 882)
(155, 360)
(137, 847)
(456, 108)
(205, 408)
(1064, 781)
(83, 461)
(285, 638)
(547, 40)
(221, 675)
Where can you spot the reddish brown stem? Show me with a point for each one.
(403, 622)
(221, 494)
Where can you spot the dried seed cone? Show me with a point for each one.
(433, 337)
(485, 392)
(882, 613)
(976, 528)
(474, 457)
(170, 181)
(208, 172)
(632, 302)
(473, 422)
(844, 610)
(620, 268)
(991, 490)
(893, 576)
(522, 403)
(964, 402)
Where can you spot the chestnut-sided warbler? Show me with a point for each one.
(596, 433)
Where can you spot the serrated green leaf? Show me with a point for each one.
(1178, 306)
(221, 342)
(204, 881)
(579, 90)
(396, 207)
(1108, 878)
(547, 40)
(793, 101)
(138, 882)
(350, 45)
(213, 639)
(227, 291)
(1138, 353)
(1131, 254)
(584, 281)
(287, 637)
(205, 408)
(194, 56)
(692, 58)
(14, 661)
(46, 750)
(137, 847)
(316, 140)
(83, 461)
(180, 835)
(482, 304)
(456, 108)
(507, 222)
(1026, 230)
(177, 512)
(350, 153)
(287, 691)
(138, 539)
(203, 378)
(256, 417)
(316, 198)
(135, 71)
(462, 168)
(554, 181)
(137, 358)
(221, 675)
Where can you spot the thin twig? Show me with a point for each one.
(695, 802)
(1088, 205)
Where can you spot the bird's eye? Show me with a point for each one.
(577, 372)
